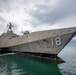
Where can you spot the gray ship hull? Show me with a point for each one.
(44, 43)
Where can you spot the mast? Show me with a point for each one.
(9, 26)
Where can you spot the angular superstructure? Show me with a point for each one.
(41, 43)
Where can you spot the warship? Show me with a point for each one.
(47, 43)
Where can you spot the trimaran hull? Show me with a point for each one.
(43, 43)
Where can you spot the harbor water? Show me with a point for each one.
(14, 64)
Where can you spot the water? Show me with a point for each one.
(25, 65)
(69, 55)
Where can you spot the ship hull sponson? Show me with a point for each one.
(51, 45)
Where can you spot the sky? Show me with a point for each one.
(37, 15)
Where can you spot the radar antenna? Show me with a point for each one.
(9, 26)
(25, 32)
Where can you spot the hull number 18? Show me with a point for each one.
(56, 41)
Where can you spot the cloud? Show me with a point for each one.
(48, 14)
(2, 24)
(38, 14)
(2, 19)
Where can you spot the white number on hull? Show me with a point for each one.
(57, 41)
(52, 41)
